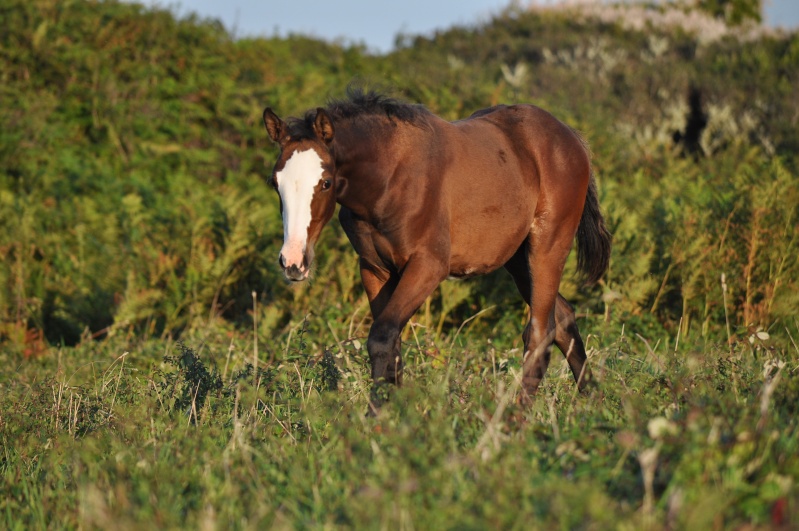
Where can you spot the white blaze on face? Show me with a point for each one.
(296, 183)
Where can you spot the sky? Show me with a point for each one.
(375, 23)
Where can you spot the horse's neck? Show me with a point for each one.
(364, 159)
(358, 139)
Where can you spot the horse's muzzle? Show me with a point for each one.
(293, 273)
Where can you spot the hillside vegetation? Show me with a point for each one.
(134, 212)
(133, 162)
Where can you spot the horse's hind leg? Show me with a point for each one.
(568, 340)
(549, 243)
(567, 335)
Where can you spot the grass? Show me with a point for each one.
(162, 434)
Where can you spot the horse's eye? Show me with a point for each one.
(326, 184)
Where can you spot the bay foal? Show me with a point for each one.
(423, 199)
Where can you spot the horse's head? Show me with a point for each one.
(304, 177)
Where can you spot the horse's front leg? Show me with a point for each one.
(419, 278)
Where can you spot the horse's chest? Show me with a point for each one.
(370, 243)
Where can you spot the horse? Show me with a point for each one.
(423, 199)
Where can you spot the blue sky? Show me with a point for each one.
(376, 22)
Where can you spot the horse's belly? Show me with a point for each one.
(480, 252)
(468, 271)
(491, 213)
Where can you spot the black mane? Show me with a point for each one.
(360, 103)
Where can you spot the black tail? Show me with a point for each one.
(593, 238)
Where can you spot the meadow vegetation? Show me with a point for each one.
(157, 370)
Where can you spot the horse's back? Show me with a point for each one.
(549, 155)
(532, 128)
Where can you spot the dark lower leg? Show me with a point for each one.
(538, 338)
(418, 280)
(568, 340)
(385, 355)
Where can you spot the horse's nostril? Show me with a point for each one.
(294, 273)
(281, 261)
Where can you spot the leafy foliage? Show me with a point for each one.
(734, 11)
(133, 163)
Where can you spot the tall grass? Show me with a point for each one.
(688, 437)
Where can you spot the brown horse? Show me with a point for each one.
(423, 199)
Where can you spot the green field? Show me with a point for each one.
(158, 372)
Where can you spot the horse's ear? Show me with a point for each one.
(275, 127)
(323, 126)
